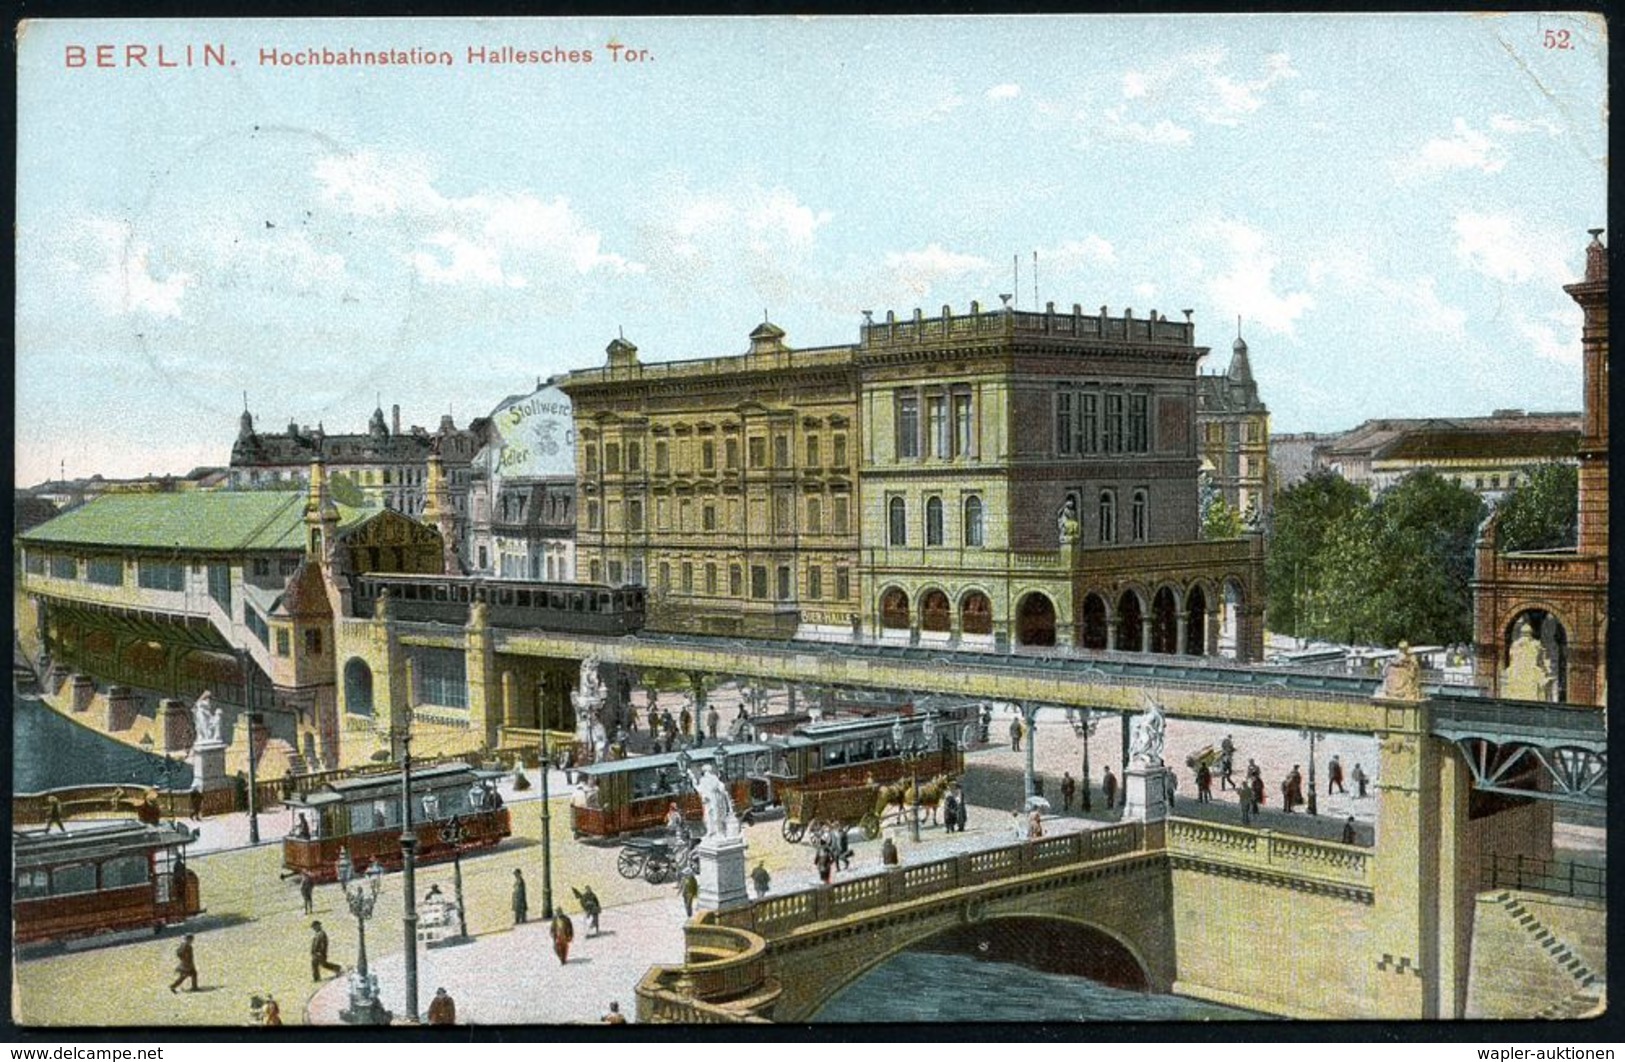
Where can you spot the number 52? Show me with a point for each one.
(1557, 40)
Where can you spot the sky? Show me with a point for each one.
(1390, 205)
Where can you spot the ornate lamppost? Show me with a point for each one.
(409, 842)
(452, 833)
(365, 1007)
(547, 826)
(244, 664)
(1312, 736)
(1084, 722)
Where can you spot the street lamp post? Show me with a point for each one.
(244, 664)
(915, 753)
(1084, 722)
(452, 833)
(1311, 735)
(547, 830)
(365, 1007)
(409, 842)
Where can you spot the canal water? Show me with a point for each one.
(50, 751)
(940, 987)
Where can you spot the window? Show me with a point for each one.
(1137, 517)
(784, 507)
(933, 521)
(897, 522)
(636, 571)
(1252, 431)
(262, 566)
(908, 424)
(634, 516)
(941, 432)
(781, 451)
(708, 516)
(973, 521)
(843, 583)
(711, 579)
(815, 516)
(758, 581)
(592, 516)
(107, 572)
(815, 582)
(784, 582)
(665, 575)
(612, 457)
(34, 562)
(758, 451)
(688, 577)
(615, 573)
(1113, 442)
(153, 575)
(662, 457)
(68, 568)
(736, 581)
(708, 455)
(962, 425)
(1495, 482)
(731, 452)
(840, 450)
(1139, 433)
(1088, 437)
(283, 642)
(843, 523)
(81, 877)
(595, 572)
(313, 641)
(1108, 517)
(685, 515)
(812, 451)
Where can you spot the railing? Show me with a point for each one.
(1264, 850)
(723, 965)
(1561, 877)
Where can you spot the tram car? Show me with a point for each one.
(363, 816)
(631, 795)
(881, 749)
(110, 878)
(587, 608)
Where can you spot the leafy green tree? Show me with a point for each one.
(1426, 528)
(1221, 521)
(1543, 512)
(1346, 597)
(344, 490)
(1304, 517)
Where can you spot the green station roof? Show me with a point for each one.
(205, 521)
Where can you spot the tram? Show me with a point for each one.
(586, 608)
(626, 796)
(363, 816)
(101, 879)
(881, 749)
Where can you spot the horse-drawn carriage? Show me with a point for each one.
(653, 859)
(841, 808)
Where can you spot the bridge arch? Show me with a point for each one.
(1116, 954)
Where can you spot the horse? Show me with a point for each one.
(931, 795)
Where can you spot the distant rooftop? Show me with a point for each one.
(213, 521)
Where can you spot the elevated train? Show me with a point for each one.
(586, 608)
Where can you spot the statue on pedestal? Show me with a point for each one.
(1402, 678)
(1145, 739)
(720, 820)
(588, 699)
(206, 720)
(1066, 522)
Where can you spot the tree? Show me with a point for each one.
(1427, 527)
(1221, 521)
(1542, 512)
(1304, 517)
(344, 490)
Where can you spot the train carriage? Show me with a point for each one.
(101, 879)
(625, 796)
(588, 608)
(363, 815)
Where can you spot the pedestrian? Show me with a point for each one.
(1294, 780)
(1348, 830)
(674, 821)
(843, 847)
(185, 965)
(194, 800)
(1016, 731)
(961, 809)
(1204, 784)
(685, 721)
(1334, 776)
(888, 853)
(1256, 785)
(53, 814)
(1360, 780)
(950, 811)
(1018, 825)
(1227, 760)
(589, 907)
(690, 888)
(270, 1012)
(1108, 786)
(563, 933)
(318, 953)
(614, 1017)
(442, 1008)
(761, 879)
(1035, 824)
(1069, 789)
(823, 862)
(713, 720)
(1169, 784)
(1244, 793)
(307, 890)
(521, 902)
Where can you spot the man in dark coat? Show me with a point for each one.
(888, 853)
(1334, 777)
(1348, 830)
(589, 907)
(185, 965)
(761, 879)
(521, 904)
(1360, 780)
(307, 891)
(1069, 789)
(1015, 733)
(1204, 784)
(564, 931)
(318, 953)
(53, 814)
(961, 812)
(824, 862)
(1108, 786)
(690, 889)
(195, 801)
(442, 1009)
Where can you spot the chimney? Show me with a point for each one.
(396, 419)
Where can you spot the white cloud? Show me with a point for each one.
(1416, 298)
(1555, 337)
(1504, 247)
(1168, 94)
(116, 267)
(1233, 99)
(1464, 149)
(1135, 85)
(919, 271)
(1246, 283)
(1007, 91)
(1163, 131)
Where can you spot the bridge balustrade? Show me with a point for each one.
(856, 894)
(926, 878)
(993, 863)
(1324, 861)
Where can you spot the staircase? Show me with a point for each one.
(1536, 955)
(1560, 952)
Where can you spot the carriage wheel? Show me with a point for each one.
(792, 830)
(631, 863)
(871, 825)
(657, 870)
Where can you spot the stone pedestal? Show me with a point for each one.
(121, 709)
(176, 720)
(55, 677)
(83, 689)
(365, 1007)
(208, 762)
(722, 873)
(1145, 793)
